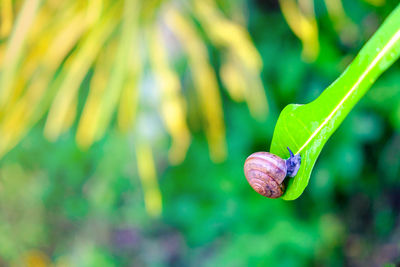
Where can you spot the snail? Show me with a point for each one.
(265, 172)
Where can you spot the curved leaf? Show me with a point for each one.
(306, 128)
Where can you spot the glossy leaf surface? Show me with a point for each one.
(306, 128)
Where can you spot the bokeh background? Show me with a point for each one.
(124, 126)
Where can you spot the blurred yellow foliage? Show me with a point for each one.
(300, 16)
(376, 2)
(240, 71)
(36, 258)
(346, 29)
(6, 18)
(148, 177)
(301, 19)
(205, 82)
(51, 50)
(173, 106)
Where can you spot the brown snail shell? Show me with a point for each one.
(265, 173)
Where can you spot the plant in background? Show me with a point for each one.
(62, 205)
(129, 53)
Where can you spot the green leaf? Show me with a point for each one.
(306, 128)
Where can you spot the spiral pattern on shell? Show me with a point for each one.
(265, 173)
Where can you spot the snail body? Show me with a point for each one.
(266, 172)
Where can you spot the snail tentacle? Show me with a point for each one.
(293, 164)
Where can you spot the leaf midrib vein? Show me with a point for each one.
(379, 56)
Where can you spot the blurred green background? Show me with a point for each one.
(124, 126)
